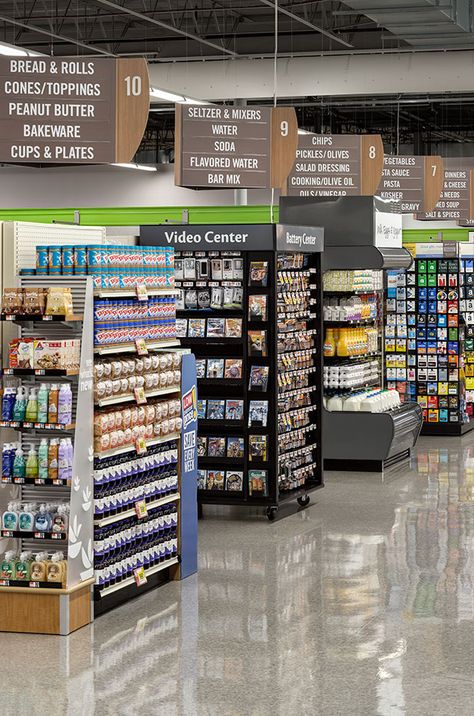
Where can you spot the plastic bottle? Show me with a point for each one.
(43, 396)
(7, 568)
(70, 457)
(53, 459)
(21, 400)
(31, 414)
(32, 463)
(63, 455)
(6, 465)
(8, 404)
(329, 344)
(19, 465)
(65, 405)
(53, 404)
(43, 459)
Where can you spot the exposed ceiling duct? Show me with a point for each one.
(421, 23)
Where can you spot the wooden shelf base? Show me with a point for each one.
(30, 611)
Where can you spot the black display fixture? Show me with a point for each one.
(360, 233)
(249, 307)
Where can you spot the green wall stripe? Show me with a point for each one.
(134, 216)
(426, 235)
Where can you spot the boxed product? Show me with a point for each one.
(57, 355)
(21, 353)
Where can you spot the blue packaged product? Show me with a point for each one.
(55, 259)
(80, 260)
(8, 402)
(94, 257)
(42, 260)
(68, 260)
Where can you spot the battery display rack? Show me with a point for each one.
(425, 341)
(251, 315)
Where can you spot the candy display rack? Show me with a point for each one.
(249, 309)
(429, 362)
(46, 607)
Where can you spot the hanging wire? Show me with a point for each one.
(398, 126)
(275, 92)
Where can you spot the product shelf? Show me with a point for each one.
(37, 426)
(46, 372)
(353, 322)
(33, 481)
(131, 580)
(132, 448)
(35, 535)
(131, 347)
(41, 318)
(130, 293)
(112, 519)
(129, 397)
(51, 588)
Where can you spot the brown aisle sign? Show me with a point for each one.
(336, 165)
(230, 147)
(457, 197)
(415, 182)
(65, 110)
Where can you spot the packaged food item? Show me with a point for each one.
(39, 567)
(33, 301)
(21, 353)
(56, 568)
(12, 302)
(59, 301)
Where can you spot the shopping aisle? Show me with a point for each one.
(362, 604)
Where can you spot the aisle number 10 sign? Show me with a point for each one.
(65, 110)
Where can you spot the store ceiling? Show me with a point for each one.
(185, 29)
(179, 30)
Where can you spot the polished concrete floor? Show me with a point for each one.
(362, 604)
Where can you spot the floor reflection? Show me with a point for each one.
(362, 604)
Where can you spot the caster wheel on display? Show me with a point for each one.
(303, 501)
(271, 513)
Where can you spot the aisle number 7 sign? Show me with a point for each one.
(234, 147)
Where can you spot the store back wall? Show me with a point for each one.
(25, 187)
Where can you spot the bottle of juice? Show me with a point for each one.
(329, 343)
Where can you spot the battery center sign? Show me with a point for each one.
(69, 110)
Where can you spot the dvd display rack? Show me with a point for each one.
(30, 602)
(426, 344)
(249, 307)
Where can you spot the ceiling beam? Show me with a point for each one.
(166, 26)
(302, 21)
(54, 35)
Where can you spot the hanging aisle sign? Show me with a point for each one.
(457, 197)
(415, 183)
(234, 147)
(64, 110)
(336, 165)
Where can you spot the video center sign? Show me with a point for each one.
(67, 110)
(228, 147)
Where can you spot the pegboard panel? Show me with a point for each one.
(23, 237)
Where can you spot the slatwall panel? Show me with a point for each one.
(27, 236)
